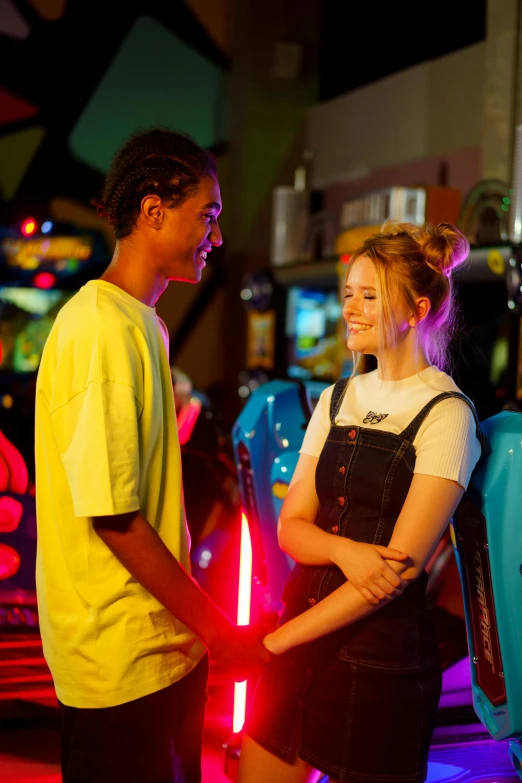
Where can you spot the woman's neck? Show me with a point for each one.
(401, 362)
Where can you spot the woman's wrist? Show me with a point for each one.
(339, 547)
(274, 642)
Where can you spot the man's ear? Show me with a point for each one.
(151, 211)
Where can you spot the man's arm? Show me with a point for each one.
(137, 546)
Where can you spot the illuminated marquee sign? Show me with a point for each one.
(31, 253)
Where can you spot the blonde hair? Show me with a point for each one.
(415, 262)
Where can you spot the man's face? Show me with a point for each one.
(189, 232)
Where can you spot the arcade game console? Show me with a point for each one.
(41, 266)
(267, 437)
(488, 546)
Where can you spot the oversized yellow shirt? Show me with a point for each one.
(106, 443)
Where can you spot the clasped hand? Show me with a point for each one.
(242, 655)
(365, 567)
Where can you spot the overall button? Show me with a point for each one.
(335, 529)
(312, 601)
(342, 501)
(342, 470)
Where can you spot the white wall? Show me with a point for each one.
(428, 110)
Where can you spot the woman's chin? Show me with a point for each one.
(355, 344)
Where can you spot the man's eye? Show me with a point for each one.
(348, 295)
(210, 218)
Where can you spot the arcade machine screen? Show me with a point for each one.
(41, 267)
(312, 332)
(26, 318)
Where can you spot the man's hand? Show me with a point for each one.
(365, 567)
(241, 654)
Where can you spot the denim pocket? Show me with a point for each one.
(388, 639)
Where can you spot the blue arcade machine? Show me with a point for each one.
(487, 536)
(267, 438)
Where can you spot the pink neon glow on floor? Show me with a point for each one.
(31, 755)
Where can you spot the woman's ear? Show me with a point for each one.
(422, 308)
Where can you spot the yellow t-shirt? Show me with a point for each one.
(106, 443)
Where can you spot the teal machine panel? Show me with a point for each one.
(487, 536)
(266, 438)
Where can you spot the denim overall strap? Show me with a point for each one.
(339, 390)
(413, 427)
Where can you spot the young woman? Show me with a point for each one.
(354, 685)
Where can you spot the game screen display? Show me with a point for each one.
(26, 318)
(312, 332)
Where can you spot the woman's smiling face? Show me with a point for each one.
(360, 306)
(362, 309)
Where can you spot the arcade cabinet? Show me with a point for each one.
(41, 266)
(294, 328)
(488, 545)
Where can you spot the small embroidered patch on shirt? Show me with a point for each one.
(374, 418)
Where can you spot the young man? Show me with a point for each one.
(124, 626)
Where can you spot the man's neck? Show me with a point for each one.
(130, 272)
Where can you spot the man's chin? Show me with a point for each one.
(193, 277)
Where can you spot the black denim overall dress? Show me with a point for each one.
(359, 704)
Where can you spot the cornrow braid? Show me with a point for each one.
(163, 162)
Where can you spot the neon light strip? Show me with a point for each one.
(244, 596)
(245, 575)
(187, 420)
(239, 706)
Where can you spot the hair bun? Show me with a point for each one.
(444, 247)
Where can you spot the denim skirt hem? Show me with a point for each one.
(353, 722)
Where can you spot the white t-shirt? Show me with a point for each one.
(446, 443)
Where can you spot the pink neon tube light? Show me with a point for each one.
(244, 595)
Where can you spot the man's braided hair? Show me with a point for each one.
(160, 161)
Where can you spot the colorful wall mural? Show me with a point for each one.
(75, 80)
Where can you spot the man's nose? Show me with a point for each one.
(215, 235)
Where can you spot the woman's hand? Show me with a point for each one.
(365, 567)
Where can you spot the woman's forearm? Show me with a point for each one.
(344, 606)
(306, 543)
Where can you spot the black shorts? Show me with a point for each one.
(155, 739)
(353, 722)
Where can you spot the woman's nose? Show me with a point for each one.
(351, 306)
